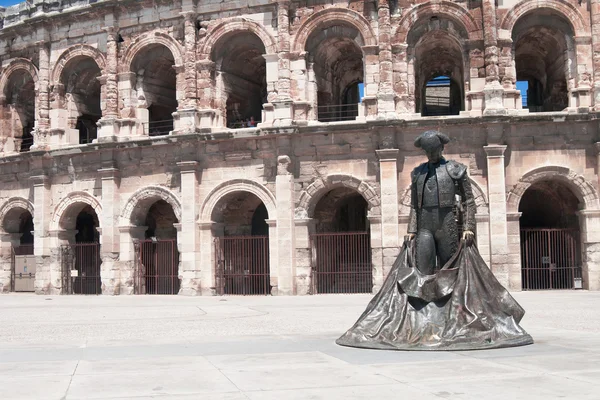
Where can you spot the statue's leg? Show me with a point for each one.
(426, 255)
(446, 238)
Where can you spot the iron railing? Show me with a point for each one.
(243, 265)
(337, 112)
(158, 128)
(26, 143)
(550, 259)
(84, 258)
(157, 267)
(341, 263)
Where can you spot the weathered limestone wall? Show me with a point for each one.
(133, 60)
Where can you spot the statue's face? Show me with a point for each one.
(434, 155)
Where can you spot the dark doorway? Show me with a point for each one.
(243, 250)
(550, 237)
(157, 257)
(342, 244)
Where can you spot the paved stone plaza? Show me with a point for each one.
(141, 347)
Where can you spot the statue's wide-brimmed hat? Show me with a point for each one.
(431, 140)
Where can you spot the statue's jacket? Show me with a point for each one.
(452, 180)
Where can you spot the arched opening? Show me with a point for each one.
(242, 251)
(543, 50)
(241, 79)
(157, 271)
(19, 110)
(342, 244)
(438, 68)
(18, 223)
(156, 88)
(82, 98)
(550, 237)
(337, 62)
(81, 256)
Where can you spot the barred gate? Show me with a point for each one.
(156, 267)
(242, 265)
(23, 267)
(341, 263)
(550, 259)
(80, 264)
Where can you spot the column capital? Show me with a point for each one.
(271, 57)
(271, 222)
(189, 16)
(495, 150)
(109, 173)
(387, 154)
(38, 180)
(188, 166)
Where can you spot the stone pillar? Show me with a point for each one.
(595, 16)
(108, 127)
(186, 118)
(190, 234)
(492, 91)
(283, 48)
(275, 112)
(380, 270)
(285, 232)
(388, 179)
(129, 235)
(368, 111)
(483, 236)
(589, 222)
(386, 107)
(7, 242)
(497, 204)
(514, 250)
(209, 231)
(42, 120)
(304, 227)
(208, 115)
(312, 91)
(299, 87)
(582, 93)
(42, 215)
(109, 235)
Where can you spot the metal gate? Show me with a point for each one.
(243, 265)
(341, 263)
(81, 268)
(156, 267)
(550, 259)
(23, 268)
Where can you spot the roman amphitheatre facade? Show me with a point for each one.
(265, 146)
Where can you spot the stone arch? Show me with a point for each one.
(15, 65)
(60, 212)
(151, 38)
(80, 50)
(237, 185)
(236, 25)
(450, 10)
(569, 11)
(13, 204)
(332, 16)
(581, 188)
(313, 193)
(139, 203)
(481, 202)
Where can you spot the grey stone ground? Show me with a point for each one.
(142, 347)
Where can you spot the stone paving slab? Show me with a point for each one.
(181, 348)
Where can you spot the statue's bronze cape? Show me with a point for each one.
(461, 307)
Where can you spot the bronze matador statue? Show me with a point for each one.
(439, 294)
(435, 187)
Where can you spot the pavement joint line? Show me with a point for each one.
(71, 381)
